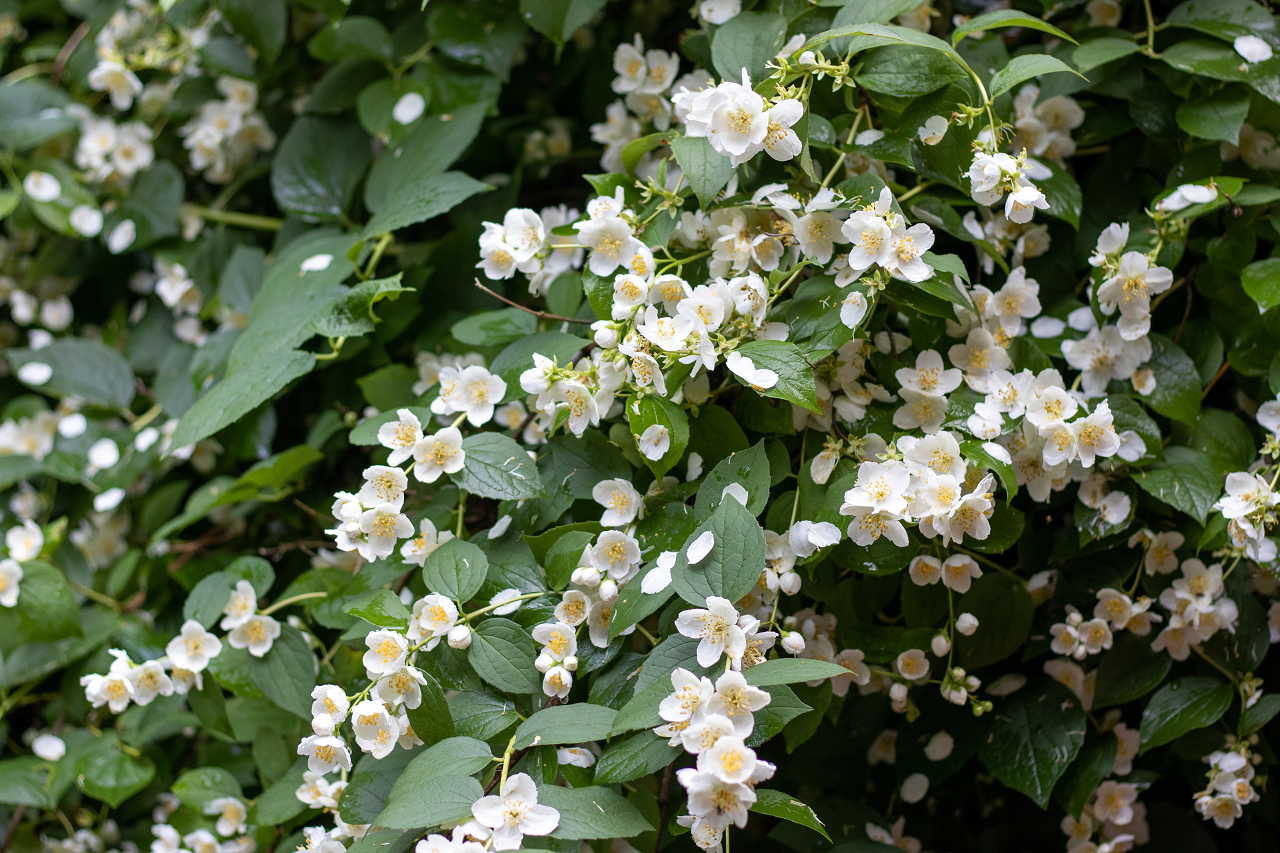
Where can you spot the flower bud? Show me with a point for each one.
(940, 645)
(793, 642)
(967, 624)
(586, 576)
(544, 662)
(898, 692)
(322, 725)
(608, 589)
(459, 637)
(571, 663)
(606, 337)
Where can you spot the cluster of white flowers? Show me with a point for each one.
(137, 37)
(231, 824)
(1249, 508)
(994, 175)
(713, 722)
(104, 839)
(108, 151)
(227, 135)
(181, 668)
(739, 123)
(526, 242)
(1043, 127)
(1230, 788)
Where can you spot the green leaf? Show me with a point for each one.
(1004, 611)
(240, 393)
(1183, 705)
(497, 467)
(501, 653)
(381, 607)
(778, 804)
(558, 19)
(435, 143)
(563, 558)
(351, 314)
(651, 410)
(1188, 480)
(576, 723)
(287, 673)
(795, 375)
(1226, 19)
(1063, 194)
(706, 170)
(641, 710)
(592, 812)
(791, 670)
(1023, 68)
(493, 328)
(197, 787)
(261, 22)
(747, 41)
(907, 71)
(633, 604)
(1177, 393)
(1128, 671)
(369, 788)
(46, 609)
(1006, 18)
(1034, 737)
(431, 720)
(446, 799)
(734, 562)
(633, 758)
(560, 347)
(1093, 764)
(1217, 117)
(456, 570)
(318, 165)
(867, 35)
(111, 775)
(747, 468)
(423, 199)
(1252, 720)
(976, 451)
(482, 715)
(152, 205)
(354, 37)
(210, 706)
(1261, 280)
(278, 803)
(477, 35)
(784, 707)
(455, 756)
(86, 369)
(31, 113)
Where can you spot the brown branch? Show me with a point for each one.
(1214, 380)
(67, 49)
(663, 793)
(13, 828)
(540, 314)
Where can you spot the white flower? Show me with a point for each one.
(912, 664)
(41, 186)
(35, 373)
(654, 442)
(386, 654)
(433, 617)
(716, 629)
(729, 760)
(112, 77)
(1130, 289)
(914, 787)
(256, 633)
(193, 648)
(853, 308)
(669, 333)
(1113, 801)
(436, 454)
(324, 753)
(515, 813)
(621, 502)
(10, 578)
(149, 680)
(805, 537)
(780, 141)
(1252, 48)
(49, 747)
(24, 541)
(401, 436)
(382, 526)
(375, 730)
(934, 128)
(967, 624)
(408, 108)
(716, 803)
(1022, 204)
(610, 240)
(905, 250)
(122, 236)
(719, 11)
(329, 702)
(383, 485)
(231, 815)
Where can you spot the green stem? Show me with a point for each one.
(293, 599)
(246, 220)
(469, 616)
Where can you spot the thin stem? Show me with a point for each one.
(246, 220)
(924, 184)
(992, 563)
(462, 510)
(67, 49)
(293, 599)
(1214, 380)
(1151, 29)
(653, 641)
(795, 505)
(378, 249)
(853, 131)
(1231, 676)
(146, 417)
(94, 594)
(469, 616)
(540, 314)
(335, 349)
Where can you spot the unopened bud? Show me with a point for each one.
(571, 663)
(544, 662)
(793, 642)
(898, 692)
(608, 590)
(459, 637)
(967, 624)
(940, 645)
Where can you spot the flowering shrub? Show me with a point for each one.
(879, 450)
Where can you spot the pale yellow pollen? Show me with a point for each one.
(325, 753)
(731, 761)
(384, 525)
(609, 246)
(905, 247)
(619, 501)
(557, 642)
(740, 121)
(406, 436)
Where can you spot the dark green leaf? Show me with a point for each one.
(1183, 705)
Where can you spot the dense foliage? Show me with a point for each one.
(562, 424)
